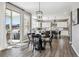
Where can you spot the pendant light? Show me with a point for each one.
(39, 13)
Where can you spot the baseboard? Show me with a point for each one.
(75, 50)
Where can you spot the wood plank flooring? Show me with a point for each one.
(60, 48)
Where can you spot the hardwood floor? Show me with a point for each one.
(60, 48)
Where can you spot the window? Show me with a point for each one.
(15, 18)
(12, 25)
(61, 24)
(46, 24)
(16, 25)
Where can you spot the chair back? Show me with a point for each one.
(30, 36)
(47, 33)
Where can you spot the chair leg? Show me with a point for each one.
(40, 50)
(33, 48)
(50, 44)
(28, 43)
(45, 44)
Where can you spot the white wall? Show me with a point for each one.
(75, 38)
(75, 30)
(3, 43)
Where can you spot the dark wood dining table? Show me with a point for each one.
(40, 37)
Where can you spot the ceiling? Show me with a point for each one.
(49, 8)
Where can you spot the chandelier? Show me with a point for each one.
(39, 13)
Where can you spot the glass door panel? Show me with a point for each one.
(8, 25)
(15, 27)
(26, 26)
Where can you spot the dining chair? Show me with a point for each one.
(34, 41)
(54, 33)
(37, 43)
(30, 37)
(48, 36)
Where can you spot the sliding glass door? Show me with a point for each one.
(12, 26)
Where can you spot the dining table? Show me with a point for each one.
(40, 37)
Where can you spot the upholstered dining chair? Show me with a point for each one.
(34, 41)
(48, 38)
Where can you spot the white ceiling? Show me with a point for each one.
(48, 8)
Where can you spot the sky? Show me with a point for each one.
(15, 20)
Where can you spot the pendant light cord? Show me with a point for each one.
(39, 6)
